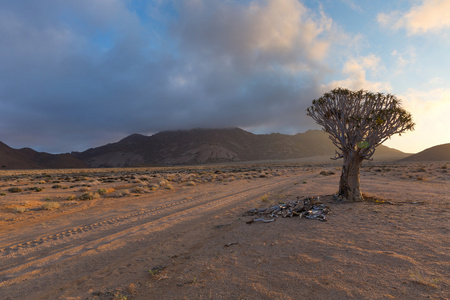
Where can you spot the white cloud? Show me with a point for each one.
(403, 59)
(353, 5)
(355, 69)
(429, 16)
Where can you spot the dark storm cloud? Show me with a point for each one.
(77, 74)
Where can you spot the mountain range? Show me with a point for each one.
(27, 158)
(204, 146)
(195, 146)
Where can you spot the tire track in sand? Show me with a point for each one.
(76, 241)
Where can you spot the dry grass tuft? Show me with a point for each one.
(50, 205)
(20, 209)
(89, 196)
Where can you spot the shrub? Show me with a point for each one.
(190, 183)
(139, 190)
(153, 186)
(36, 189)
(122, 193)
(102, 191)
(265, 198)
(163, 182)
(19, 210)
(50, 206)
(125, 193)
(89, 196)
(327, 173)
(14, 190)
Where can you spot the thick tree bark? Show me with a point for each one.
(349, 183)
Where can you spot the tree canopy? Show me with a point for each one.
(359, 121)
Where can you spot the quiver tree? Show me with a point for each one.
(358, 122)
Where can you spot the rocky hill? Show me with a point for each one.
(201, 146)
(27, 158)
(436, 153)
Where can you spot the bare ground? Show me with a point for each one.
(181, 234)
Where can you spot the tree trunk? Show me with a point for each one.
(349, 183)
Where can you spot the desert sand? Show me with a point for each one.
(181, 233)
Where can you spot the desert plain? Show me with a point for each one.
(182, 233)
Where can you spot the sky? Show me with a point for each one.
(76, 74)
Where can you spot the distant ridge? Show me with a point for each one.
(27, 158)
(203, 146)
(436, 153)
(188, 147)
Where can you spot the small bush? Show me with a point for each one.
(190, 183)
(57, 186)
(50, 205)
(89, 196)
(14, 190)
(139, 190)
(168, 186)
(102, 191)
(36, 189)
(422, 178)
(20, 209)
(264, 198)
(123, 193)
(327, 173)
(153, 186)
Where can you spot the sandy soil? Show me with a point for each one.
(181, 234)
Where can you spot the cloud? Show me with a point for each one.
(282, 32)
(352, 5)
(81, 73)
(355, 69)
(403, 60)
(429, 16)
